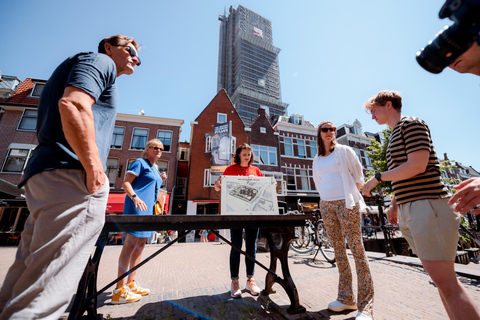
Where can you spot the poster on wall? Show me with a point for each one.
(221, 153)
(251, 195)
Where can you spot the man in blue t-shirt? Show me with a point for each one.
(65, 185)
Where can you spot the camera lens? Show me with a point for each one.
(448, 45)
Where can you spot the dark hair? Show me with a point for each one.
(383, 97)
(321, 147)
(244, 146)
(118, 40)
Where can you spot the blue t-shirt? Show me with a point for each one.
(94, 73)
(146, 186)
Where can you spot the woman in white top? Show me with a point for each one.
(338, 176)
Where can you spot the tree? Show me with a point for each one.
(378, 155)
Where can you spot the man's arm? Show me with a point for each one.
(468, 196)
(77, 120)
(416, 163)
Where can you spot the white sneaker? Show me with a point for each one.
(124, 295)
(235, 291)
(252, 287)
(337, 306)
(362, 316)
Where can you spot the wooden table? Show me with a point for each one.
(86, 296)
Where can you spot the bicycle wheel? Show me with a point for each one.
(302, 242)
(324, 242)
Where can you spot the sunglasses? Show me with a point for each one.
(132, 53)
(157, 148)
(325, 130)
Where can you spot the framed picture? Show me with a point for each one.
(242, 195)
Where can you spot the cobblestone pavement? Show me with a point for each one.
(191, 281)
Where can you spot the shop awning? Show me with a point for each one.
(116, 200)
(115, 203)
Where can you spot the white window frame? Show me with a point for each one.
(18, 146)
(220, 115)
(133, 135)
(263, 130)
(289, 145)
(209, 178)
(278, 176)
(24, 117)
(116, 135)
(161, 169)
(305, 178)
(167, 147)
(294, 178)
(302, 149)
(208, 143)
(271, 153)
(186, 153)
(313, 146)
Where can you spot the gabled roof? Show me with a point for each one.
(221, 94)
(21, 95)
(260, 115)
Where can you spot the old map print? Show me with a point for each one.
(248, 195)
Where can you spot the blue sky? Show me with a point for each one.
(334, 55)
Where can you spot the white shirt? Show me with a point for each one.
(351, 172)
(331, 184)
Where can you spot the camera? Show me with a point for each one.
(453, 40)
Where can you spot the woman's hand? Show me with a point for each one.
(139, 204)
(163, 176)
(218, 184)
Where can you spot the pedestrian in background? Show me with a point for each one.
(65, 185)
(142, 184)
(338, 176)
(242, 167)
(420, 205)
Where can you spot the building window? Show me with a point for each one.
(16, 160)
(221, 117)
(183, 154)
(28, 121)
(302, 150)
(278, 177)
(296, 119)
(208, 143)
(163, 167)
(265, 155)
(37, 90)
(139, 139)
(209, 177)
(288, 146)
(181, 189)
(355, 130)
(305, 179)
(263, 130)
(117, 138)
(112, 171)
(313, 148)
(291, 185)
(166, 138)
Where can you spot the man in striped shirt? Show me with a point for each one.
(420, 205)
(468, 195)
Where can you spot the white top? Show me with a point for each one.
(331, 183)
(351, 172)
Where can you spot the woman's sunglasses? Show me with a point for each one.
(157, 148)
(325, 130)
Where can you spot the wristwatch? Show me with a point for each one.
(133, 196)
(378, 176)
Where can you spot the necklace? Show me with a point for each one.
(245, 171)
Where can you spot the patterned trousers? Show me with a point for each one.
(344, 224)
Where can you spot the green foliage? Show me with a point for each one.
(378, 155)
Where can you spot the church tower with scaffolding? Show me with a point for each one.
(248, 67)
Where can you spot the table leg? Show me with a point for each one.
(281, 253)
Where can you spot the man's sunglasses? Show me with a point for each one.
(325, 130)
(132, 53)
(157, 148)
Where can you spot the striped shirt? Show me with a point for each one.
(410, 135)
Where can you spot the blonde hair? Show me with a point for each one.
(381, 98)
(150, 144)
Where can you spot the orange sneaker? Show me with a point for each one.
(135, 288)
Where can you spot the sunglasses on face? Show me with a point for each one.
(133, 54)
(157, 148)
(325, 130)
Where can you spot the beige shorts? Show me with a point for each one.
(431, 228)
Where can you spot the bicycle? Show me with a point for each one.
(311, 235)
